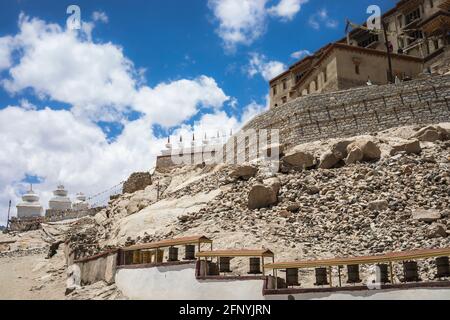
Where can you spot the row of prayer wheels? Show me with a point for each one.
(224, 266)
(410, 273)
(157, 255)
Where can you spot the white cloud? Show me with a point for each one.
(56, 63)
(240, 21)
(321, 17)
(259, 64)
(244, 21)
(6, 47)
(253, 109)
(98, 80)
(100, 16)
(300, 54)
(287, 9)
(169, 104)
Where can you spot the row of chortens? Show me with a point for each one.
(30, 206)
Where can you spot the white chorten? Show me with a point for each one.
(60, 201)
(30, 206)
(80, 202)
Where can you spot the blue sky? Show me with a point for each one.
(139, 70)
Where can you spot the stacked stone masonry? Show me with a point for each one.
(358, 111)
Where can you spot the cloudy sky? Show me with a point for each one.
(87, 107)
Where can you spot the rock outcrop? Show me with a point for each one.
(137, 181)
(244, 172)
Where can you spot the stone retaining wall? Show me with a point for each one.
(61, 215)
(358, 111)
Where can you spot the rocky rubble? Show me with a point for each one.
(381, 193)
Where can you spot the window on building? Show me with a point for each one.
(274, 90)
(284, 84)
(298, 76)
(414, 36)
(371, 38)
(400, 21)
(357, 68)
(284, 99)
(325, 76)
(413, 15)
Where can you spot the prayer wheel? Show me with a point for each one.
(292, 277)
(137, 257)
(213, 269)
(410, 271)
(443, 267)
(255, 266)
(224, 264)
(189, 253)
(128, 257)
(159, 254)
(353, 274)
(146, 257)
(321, 277)
(173, 254)
(382, 273)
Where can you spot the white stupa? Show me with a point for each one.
(30, 206)
(60, 201)
(80, 202)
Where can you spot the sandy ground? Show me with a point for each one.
(32, 277)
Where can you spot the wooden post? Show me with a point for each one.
(392, 272)
(331, 276)
(262, 262)
(339, 274)
(275, 273)
(7, 220)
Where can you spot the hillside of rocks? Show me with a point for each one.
(363, 195)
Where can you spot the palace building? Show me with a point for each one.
(417, 38)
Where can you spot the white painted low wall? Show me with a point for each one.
(179, 283)
(409, 294)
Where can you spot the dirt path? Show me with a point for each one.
(32, 277)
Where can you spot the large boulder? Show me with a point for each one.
(426, 215)
(378, 205)
(432, 134)
(369, 148)
(261, 196)
(437, 230)
(299, 159)
(132, 207)
(137, 181)
(408, 147)
(354, 155)
(328, 160)
(244, 172)
(274, 183)
(340, 148)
